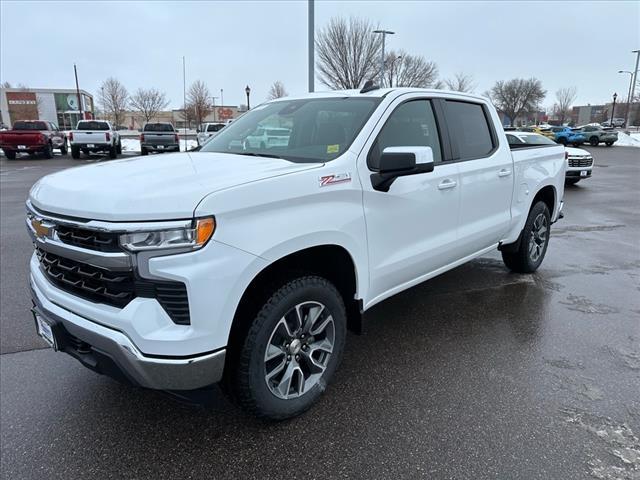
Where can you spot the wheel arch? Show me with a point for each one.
(330, 261)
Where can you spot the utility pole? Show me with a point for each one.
(75, 71)
(626, 113)
(222, 97)
(213, 99)
(184, 99)
(633, 85)
(384, 35)
(311, 45)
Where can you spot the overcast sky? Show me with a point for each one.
(231, 44)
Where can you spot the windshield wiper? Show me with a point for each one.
(252, 154)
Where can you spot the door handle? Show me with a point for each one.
(504, 173)
(445, 184)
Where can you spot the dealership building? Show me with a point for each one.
(56, 105)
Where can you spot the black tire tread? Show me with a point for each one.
(242, 393)
(518, 261)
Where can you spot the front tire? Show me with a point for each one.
(562, 141)
(533, 242)
(608, 144)
(291, 350)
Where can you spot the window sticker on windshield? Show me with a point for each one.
(333, 148)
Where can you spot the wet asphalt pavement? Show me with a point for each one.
(479, 373)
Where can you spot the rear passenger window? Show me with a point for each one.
(412, 124)
(469, 129)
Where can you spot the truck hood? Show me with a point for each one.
(155, 187)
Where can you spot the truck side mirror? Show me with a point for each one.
(399, 162)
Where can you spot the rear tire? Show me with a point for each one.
(10, 154)
(48, 151)
(75, 152)
(562, 141)
(593, 141)
(119, 148)
(533, 242)
(291, 350)
(113, 152)
(63, 148)
(144, 151)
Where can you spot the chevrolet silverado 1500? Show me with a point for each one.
(245, 264)
(93, 136)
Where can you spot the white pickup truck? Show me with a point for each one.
(95, 136)
(208, 130)
(246, 265)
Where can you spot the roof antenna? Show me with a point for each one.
(369, 86)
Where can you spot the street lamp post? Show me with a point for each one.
(384, 35)
(213, 105)
(613, 108)
(247, 90)
(626, 115)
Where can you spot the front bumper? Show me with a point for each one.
(578, 173)
(110, 352)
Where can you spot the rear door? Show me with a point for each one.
(486, 176)
(411, 229)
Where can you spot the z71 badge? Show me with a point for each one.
(328, 180)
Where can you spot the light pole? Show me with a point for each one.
(310, 44)
(613, 108)
(393, 68)
(634, 80)
(213, 101)
(222, 97)
(626, 115)
(384, 35)
(247, 90)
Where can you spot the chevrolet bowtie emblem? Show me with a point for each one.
(40, 229)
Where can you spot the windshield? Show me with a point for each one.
(306, 130)
(30, 126)
(93, 126)
(158, 127)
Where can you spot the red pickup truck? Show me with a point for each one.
(32, 136)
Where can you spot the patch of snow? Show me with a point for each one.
(628, 140)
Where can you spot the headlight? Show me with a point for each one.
(191, 237)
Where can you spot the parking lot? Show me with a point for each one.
(479, 373)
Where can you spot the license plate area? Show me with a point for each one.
(22, 147)
(45, 330)
(583, 173)
(90, 145)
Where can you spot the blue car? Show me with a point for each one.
(567, 136)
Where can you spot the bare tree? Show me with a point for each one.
(114, 99)
(404, 70)
(348, 53)
(277, 90)
(565, 98)
(517, 96)
(199, 101)
(187, 114)
(460, 83)
(148, 103)
(6, 85)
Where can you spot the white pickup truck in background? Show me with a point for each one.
(208, 130)
(95, 136)
(245, 264)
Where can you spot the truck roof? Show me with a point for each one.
(381, 92)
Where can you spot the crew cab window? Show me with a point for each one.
(158, 127)
(412, 124)
(93, 126)
(30, 126)
(513, 140)
(469, 129)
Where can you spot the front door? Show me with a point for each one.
(411, 229)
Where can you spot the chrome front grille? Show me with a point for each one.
(580, 161)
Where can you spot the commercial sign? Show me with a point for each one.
(22, 106)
